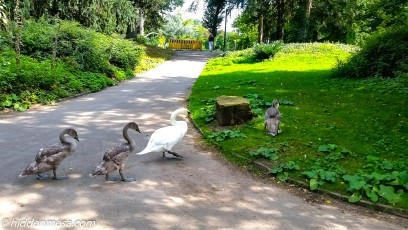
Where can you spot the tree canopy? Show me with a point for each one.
(107, 16)
(213, 15)
(347, 21)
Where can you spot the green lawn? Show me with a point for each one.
(335, 127)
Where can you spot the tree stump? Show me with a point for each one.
(232, 110)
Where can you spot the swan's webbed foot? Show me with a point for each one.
(58, 177)
(41, 177)
(166, 157)
(125, 179)
(175, 154)
(108, 178)
(128, 179)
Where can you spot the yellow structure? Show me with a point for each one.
(177, 44)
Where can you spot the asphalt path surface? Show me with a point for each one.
(200, 191)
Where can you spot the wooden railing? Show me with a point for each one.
(178, 44)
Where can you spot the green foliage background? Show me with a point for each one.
(384, 54)
(60, 59)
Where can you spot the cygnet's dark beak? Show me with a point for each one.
(76, 138)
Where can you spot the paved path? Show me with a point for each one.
(201, 191)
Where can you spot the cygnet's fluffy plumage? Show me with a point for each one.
(49, 157)
(272, 118)
(164, 139)
(115, 157)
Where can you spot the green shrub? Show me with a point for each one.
(120, 75)
(94, 81)
(73, 41)
(266, 51)
(383, 55)
(36, 81)
(125, 54)
(142, 39)
(30, 74)
(85, 49)
(85, 61)
(38, 39)
(5, 40)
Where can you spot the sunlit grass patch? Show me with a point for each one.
(367, 117)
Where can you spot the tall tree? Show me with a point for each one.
(383, 13)
(152, 11)
(177, 28)
(247, 28)
(18, 20)
(3, 15)
(260, 9)
(213, 15)
(280, 27)
(107, 16)
(332, 20)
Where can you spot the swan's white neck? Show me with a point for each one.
(173, 120)
(69, 141)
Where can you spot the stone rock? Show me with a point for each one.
(232, 110)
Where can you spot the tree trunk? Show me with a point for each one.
(17, 31)
(280, 29)
(142, 21)
(306, 22)
(308, 7)
(260, 27)
(214, 26)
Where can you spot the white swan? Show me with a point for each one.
(49, 157)
(115, 157)
(164, 139)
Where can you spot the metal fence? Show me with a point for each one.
(178, 44)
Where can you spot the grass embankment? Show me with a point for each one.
(344, 135)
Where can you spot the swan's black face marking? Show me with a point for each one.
(73, 134)
(134, 126)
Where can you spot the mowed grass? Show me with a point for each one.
(369, 117)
